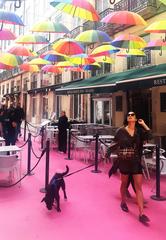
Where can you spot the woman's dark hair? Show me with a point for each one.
(125, 122)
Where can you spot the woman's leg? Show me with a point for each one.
(123, 187)
(139, 194)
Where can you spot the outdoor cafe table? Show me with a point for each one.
(91, 137)
(11, 148)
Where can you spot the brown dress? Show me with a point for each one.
(129, 149)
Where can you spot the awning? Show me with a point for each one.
(146, 77)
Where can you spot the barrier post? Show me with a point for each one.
(29, 155)
(42, 137)
(96, 154)
(43, 190)
(69, 144)
(157, 196)
(25, 129)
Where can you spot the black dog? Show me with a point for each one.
(52, 190)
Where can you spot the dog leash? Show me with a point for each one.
(79, 170)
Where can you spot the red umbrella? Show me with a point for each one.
(51, 68)
(4, 66)
(21, 51)
(124, 17)
(68, 47)
(6, 34)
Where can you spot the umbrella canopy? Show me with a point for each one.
(39, 61)
(10, 18)
(29, 68)
(157, 27)
(49, 27)
(31, 39)
(53, 56)
(65, 64)
(131, 52)
(104, 59)
(129, 41)
(77, 8)
(68, 47)
(21, 51)
(93, 36)
(91, 67)
(5, 67)
(6, 34)
(103, 50)
(51, 68)
(81, 60)
(10, 59)
(156, 45)
(76, 69)
(124, 17)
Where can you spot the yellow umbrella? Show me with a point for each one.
(104, 59)
(29, 68)
(157, 27)
(10, 59)
(39, 61)
(130, 52)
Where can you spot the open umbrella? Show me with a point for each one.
(91, 67)
(82, 59)
(129, 41)
(10, 18)
(39, 61)
(31, 39)
(10, 59)
(68, 47)
(124, 17)
(77, 8)
(29, 68)
(49, 27)
(93, 36)
(53, 56)
(5, 67)
(157, 27)
(130, 52)
(51, 68)
(6, 34)
(21, 51)
(104, 59)
(156, 45)
(65, 64)
(103, 50)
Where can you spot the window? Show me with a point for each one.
(102, 112)
(45, 108)
(77, 106)
(163, 102)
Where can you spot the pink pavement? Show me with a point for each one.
(92, 210)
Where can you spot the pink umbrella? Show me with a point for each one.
(21, 51)
(4, 66)
(51, 68)
(6, 34)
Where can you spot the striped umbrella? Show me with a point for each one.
(29, 68)
(103, 50)
(93, 36)
(68, 47)
(10, 59)
(31, 39)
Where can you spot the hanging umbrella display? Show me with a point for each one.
(65, 64)
(21, 51)
(93, 36)
(39, 61)
(10, 18)
(29, 68)
(53, 56)
(104, 50)
(129, 41)
(31, 39)
(130, 52)
(68, 47)
(124, 17)
(157, 27)
(6, 34)
(51, 68)
(10, 59)
(76, 69)
(156, 45)
(82, 9)
(49, 27)
(91, 67)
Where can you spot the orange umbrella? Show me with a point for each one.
(21, 51)
(29, 68)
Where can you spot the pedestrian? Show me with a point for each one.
(62, 133)
(10, 126)
(128, 143)
(20, 116)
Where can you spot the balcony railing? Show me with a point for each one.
(134, 5)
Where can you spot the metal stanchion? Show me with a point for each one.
(29, 155)
(157, 196)
(42, 137)
(43, 190)
(25, 128)
(96, 154)
(69, 144)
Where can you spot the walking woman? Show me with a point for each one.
(129, 141)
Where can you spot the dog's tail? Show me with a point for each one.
(66, 172)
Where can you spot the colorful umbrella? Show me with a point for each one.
(81, 59)
(156, 45)
(10, 59)
(157, 27)
(50, 27)
(130, 52)
(76, 69)
(77, 8)
(6, 34)
(53, 56)
(129, 41)
(29, 68)
(10, 18)
(104, 59)
(68, 47)
(21, 51)
(5, 67)
(92, 67)
(65, 64)
(124, 17)
(103, 50)
(93, 36)
(31, 39)
(39, 61)
(51, 68)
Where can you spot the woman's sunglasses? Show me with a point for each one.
(131, 114)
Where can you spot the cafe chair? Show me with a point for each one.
(11, 165)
